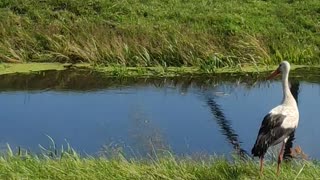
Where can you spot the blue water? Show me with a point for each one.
(147, 117)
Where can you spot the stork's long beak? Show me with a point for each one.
(274, 74)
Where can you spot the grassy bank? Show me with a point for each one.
(203, 34)
(121, 71)
(71, 166)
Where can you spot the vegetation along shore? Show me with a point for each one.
(67, 164)
(203, 34)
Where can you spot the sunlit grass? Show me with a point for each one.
(65, 163)
(201, 33)
(120, 71)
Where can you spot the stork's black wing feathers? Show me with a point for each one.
(270, 133)
(271, 121)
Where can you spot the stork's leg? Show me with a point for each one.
(280, 158)
(261, 165)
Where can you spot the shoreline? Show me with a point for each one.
(26, 68)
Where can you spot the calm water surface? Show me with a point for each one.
(189, 115)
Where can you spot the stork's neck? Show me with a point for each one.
(288, 98)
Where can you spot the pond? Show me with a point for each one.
(186, 115)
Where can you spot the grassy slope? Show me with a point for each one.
(201, 33)
(73, 167)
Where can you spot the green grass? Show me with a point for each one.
(121, 71)
(11, 68)
(69, 165)
(138, 33)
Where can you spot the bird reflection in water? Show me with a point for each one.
(225, 126)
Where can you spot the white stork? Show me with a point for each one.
(280, 122)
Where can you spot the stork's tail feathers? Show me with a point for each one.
(259, 149)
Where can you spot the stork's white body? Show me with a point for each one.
(291, 114)
(280, 122)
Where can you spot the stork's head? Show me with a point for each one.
(283, 68)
